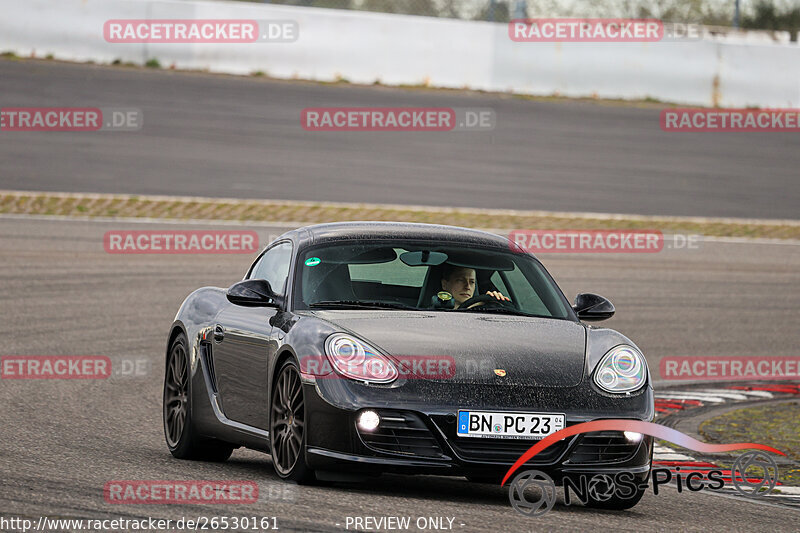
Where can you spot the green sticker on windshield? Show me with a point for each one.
(313, 261)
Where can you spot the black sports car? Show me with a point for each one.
(368, 347)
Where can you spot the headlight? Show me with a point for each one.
(622, 369)
(353, 359)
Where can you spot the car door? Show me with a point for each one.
(244, 344)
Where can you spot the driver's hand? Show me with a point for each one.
(499, 296)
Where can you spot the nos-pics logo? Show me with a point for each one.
(533, 493)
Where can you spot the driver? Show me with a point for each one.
(461, 283)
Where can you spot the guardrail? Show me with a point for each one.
(400, 49)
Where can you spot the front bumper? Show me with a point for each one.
(420, 439)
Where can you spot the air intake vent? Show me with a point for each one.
(504, 450)
(401, 432)
(602, 447)
(209, 360)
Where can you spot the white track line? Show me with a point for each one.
(700, 395)
(689, 396)
(758, 393)
(672, 457)
(727, 395)
(788, 491)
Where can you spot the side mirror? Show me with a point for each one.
(253, 293)
(593, 307)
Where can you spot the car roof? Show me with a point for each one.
(342, 231)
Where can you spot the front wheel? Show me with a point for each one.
(287, 428)
(179, 431)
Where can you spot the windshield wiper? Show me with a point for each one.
(360, 304)
(499, 310)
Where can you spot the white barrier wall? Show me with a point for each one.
(399, 49)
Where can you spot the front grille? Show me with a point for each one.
(504, 450)
(495, 450)
(602, 447)
(401, 432)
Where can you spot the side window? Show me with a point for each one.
(274, 267)
(498, 282)
(526, 295)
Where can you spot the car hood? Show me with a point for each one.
(540, 352)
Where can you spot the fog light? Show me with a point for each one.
(368, 420)
(632, 436)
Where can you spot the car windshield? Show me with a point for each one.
(409, 275)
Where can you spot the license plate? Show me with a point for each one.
(487, 425)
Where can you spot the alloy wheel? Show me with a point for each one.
(176, 385)
(288, 420)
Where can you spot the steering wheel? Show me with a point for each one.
(488, 300)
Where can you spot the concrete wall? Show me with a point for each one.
(400, 49)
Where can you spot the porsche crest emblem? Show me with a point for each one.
(500, 372)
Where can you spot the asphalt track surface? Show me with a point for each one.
(224, 136)
(64, 439)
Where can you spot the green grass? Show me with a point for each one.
(776, 425)
(312, 212)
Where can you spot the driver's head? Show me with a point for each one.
(460, 282)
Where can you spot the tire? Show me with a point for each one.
(179, 431)
(615, 503)
(287, 430)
